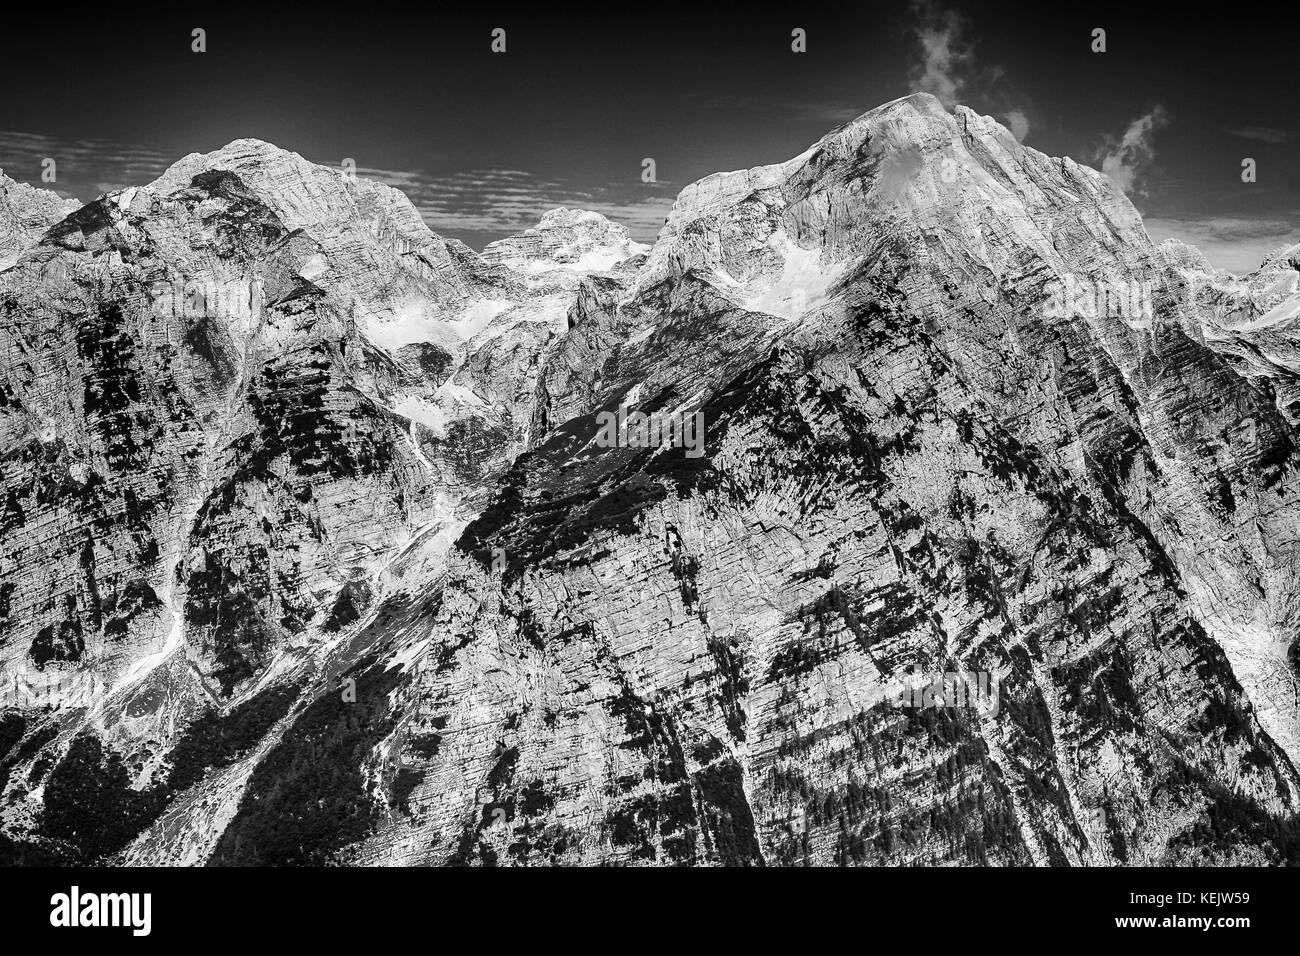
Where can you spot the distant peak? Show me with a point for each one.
(564, 238)
(564, 216)
(1284, 257)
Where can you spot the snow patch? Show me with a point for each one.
(598, 259)
(1284, 311)
(459, 393)
(475, 318)
(314, 268)
(417, 322)
(424, 412)
(802, 285)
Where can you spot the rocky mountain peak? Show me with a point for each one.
(304, 195)
(373, 252)
(25, 213)
(908, 174)
(569, 239)
(1284, 257)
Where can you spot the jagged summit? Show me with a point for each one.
(303, 192)
(1284, 257)
(569, 239)
(1184, 255)
(25, 214)
(908, 175)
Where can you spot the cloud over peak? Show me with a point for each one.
(946, 67)
(1125, 160)
(945, 52)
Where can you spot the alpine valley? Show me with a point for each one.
(311, 551)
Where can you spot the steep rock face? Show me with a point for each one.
(982, 235)
(178, 363)
(216, 391)
(377, 254)
(690, 656)
(698, 662)
(25, 214)
(941, 408)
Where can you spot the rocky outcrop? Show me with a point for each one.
(25, 214)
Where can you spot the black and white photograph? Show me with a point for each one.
(848, 436)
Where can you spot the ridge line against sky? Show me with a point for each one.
(485, 144)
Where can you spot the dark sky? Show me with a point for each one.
(484, 143)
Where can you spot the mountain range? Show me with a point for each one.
(318, 546)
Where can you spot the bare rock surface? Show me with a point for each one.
(25, 214)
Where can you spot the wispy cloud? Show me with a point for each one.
(1262, 134)
(945, 52)
(831, 112)
(1228, 242)
(947, 67)
(483, 204)
(84, 167)
(1018, 123)
(1124, 161)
